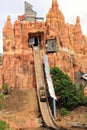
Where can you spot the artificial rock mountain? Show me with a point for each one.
(17, 69)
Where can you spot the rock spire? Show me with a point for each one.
(55, 4)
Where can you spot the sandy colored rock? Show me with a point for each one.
(18, 61)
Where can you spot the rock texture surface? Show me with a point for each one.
(18, 62)
(21, 109)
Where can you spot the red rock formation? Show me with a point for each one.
(18, 64)
(55, 19)
(71, 43)
(8, 36)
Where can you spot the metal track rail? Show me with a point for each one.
(44, 107)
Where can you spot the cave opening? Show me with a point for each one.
(34, 39)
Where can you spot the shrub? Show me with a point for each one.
(70, 95)
(5, 89)
(1, 97)
(1, 106)
(1, 101)
(64, 112)
(3, 125)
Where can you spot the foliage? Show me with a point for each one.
(3, 92)
(70, 95)
(5, 89)
(1, 106)
(83, 99)
(1, 101)
(1, 97)
(4, 125)
(64, 112)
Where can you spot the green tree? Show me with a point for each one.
(70, 95)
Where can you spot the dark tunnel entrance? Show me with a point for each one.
(35, 39)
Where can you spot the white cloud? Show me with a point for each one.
(73, 8)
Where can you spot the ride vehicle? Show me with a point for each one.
(42, 94)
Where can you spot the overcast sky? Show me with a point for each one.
(70, 8)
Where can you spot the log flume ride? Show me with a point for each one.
(41, 91)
